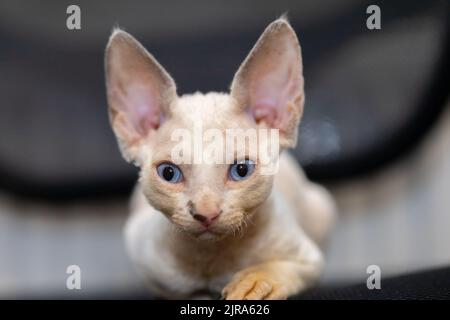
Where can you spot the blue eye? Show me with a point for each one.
(241, 170)
(169, 172)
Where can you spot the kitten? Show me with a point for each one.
(228, 227)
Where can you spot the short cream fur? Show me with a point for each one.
(265, 244)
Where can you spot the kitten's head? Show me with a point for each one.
(205, 197)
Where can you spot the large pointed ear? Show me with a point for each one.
(269, 83)
(140, 93)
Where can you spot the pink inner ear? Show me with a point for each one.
(265, 111)
(140, 105)
(275, 115)
(274, 95)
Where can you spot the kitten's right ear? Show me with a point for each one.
(140, 93)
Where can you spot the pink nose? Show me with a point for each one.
(206, 218)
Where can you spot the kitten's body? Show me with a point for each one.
(245, 232)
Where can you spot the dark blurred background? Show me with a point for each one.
(376, 128)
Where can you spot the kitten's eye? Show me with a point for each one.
(241, 170)
(169, 172)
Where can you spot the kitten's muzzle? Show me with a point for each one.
(205, 217)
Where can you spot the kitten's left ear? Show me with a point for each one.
(269, 83)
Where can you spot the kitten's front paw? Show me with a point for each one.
(253, 286)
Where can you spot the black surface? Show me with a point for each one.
(425, 285)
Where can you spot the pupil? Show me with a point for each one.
(242, 170)
(168, 173)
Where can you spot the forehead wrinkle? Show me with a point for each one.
(212, 109)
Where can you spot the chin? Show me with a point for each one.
(209, 236)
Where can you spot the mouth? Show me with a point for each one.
(207, 234)
(206, 231)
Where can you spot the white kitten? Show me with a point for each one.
(220, 227)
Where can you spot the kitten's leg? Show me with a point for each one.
(277, 279)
